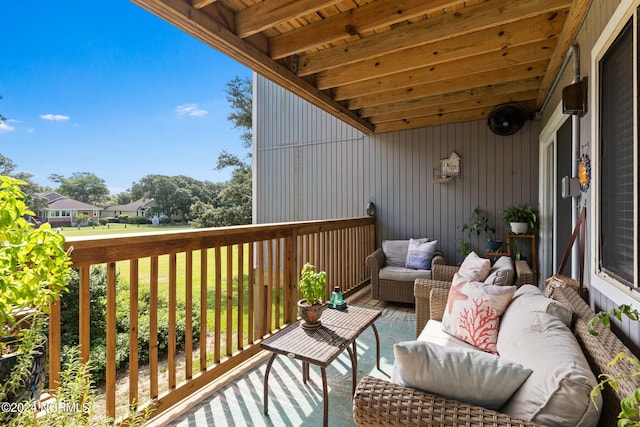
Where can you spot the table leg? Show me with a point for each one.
(305, 372)
(375, 331)
(325, 395)
(266, 383)
(354, 365)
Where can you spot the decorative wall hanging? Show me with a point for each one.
(584, 172)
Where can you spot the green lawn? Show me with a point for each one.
(118, 229)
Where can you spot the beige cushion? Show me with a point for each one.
(395, 251)
(558, 392)
(420, 253)
(502, 272)
(473, 311)
(402, 274)
(433, 333)
(531, 298)
(474, 268)
(462, 374)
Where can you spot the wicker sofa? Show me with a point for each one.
(441, 277)
(390, 281)
(379, 402)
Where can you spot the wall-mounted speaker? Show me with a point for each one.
(574, 98)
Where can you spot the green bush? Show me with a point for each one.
(98, 325)
(103, 221)
(137, 220)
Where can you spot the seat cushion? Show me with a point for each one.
(463, 374)
(401, 274)
(502, 272)
(433, 333)
(561, 374)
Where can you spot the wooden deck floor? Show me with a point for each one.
(361, 297)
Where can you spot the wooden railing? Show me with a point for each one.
(242, 280)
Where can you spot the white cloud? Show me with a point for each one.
(54, 117)
(190, 110)
(6, 128)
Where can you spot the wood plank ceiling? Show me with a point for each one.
(390, 65)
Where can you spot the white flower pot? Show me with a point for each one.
(519, 227)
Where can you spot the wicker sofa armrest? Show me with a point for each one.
(443, 272)
(438, 303)
(379, 402)
(524, 275)
(422, 292)
(375, 261)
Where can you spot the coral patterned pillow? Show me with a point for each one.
(473, 312)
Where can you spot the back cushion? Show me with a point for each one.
(395, 252)
(502, 272)
(474, 268)
(558, 391)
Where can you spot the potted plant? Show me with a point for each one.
(521, 218)
(34, 270)
(478, 224)
(312, 287)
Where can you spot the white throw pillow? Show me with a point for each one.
(419, 254)
(473, 311)
(461, 374)
(475, 268)
(502, 272)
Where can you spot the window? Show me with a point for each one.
(617, 152)
(59, 214)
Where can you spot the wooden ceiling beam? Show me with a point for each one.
(527, 31)
(464, 21)
(198, 24)
(270, 13)
(491, 61)
(488, 91)
(454, 116)
(440, 119)
(572, 25)
(468, 103)
(356, 21)
(199, 4)
(468, 82)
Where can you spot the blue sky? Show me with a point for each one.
(106, 87)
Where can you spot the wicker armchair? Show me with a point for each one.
(441, 277)
(379, 402)
(393, 290)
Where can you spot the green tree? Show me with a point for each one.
(82, 186)
(233, 202)
(35, 200)
(2, 119)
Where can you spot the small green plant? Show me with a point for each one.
(312, 284)
(629, 406)
(522, 213)
(477, 224)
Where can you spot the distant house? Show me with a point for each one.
(137, 208)
(62, 210)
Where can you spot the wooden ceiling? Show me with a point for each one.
(390, 65)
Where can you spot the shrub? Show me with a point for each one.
(103, 221)
(137, 220)
(98, 326)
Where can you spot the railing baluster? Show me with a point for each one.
(218, 295)
(85, 313)
(188, 313)
(54, 345)
(111, 340)
(277, 273)
(250, 297)
(153, 329)
(133, 331)
(171, 350)
(269, 284)
(229, 300)
(262, 328)
(240, 265)
(203, 307)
